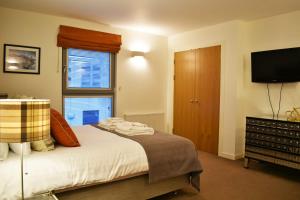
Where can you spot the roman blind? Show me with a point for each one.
(72, 37)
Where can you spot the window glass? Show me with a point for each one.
(87, 110)
(88, 69)
(88, 87)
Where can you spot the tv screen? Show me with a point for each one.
(282, 65)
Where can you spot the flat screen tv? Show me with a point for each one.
(276, 66)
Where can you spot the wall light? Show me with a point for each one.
(138, 60)
(137, 54)
(139, 45)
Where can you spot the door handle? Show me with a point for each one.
(194, 100)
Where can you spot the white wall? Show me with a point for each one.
(277, 32)
(140, 86)
(239, 96)
(282, 31)
(230, 36)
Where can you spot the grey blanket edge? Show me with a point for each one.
(168, 156)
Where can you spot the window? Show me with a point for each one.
(88, 86)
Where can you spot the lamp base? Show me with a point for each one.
(22, 170)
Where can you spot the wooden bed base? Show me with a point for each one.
(134, 188)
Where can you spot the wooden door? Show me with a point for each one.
(197, 96)
(207, 97)
(184, 92)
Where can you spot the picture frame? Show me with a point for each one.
(21, 59)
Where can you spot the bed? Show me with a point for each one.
(106, 166)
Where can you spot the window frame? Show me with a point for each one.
(87, 92)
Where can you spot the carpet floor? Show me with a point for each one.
(224, 179)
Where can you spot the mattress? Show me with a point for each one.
(102, 157)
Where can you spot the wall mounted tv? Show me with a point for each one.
(276, 66)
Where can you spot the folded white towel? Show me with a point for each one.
(114, 119)
(133, 133)
(130, 129)
(138, 124)
(110, 128)
(124, 127)
(110, 123)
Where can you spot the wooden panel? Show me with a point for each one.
(197, 96)
(207, 98)
(183, 94)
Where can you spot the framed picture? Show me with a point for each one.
(21, 59)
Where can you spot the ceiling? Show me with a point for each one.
(162, 17)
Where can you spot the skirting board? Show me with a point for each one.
(231, 156)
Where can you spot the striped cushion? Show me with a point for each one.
(61, 131)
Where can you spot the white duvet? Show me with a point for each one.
(102, 157)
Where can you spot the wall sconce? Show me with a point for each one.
(138, 60)
(137, 54)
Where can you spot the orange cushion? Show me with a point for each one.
(61, 131)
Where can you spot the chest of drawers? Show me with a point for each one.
(274, 141)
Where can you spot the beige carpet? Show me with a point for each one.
(224, 179)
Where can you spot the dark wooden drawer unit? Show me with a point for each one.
(274, 141)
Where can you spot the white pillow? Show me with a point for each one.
(3, 151)
(17, 148)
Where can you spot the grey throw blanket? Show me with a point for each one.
(169, 156)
